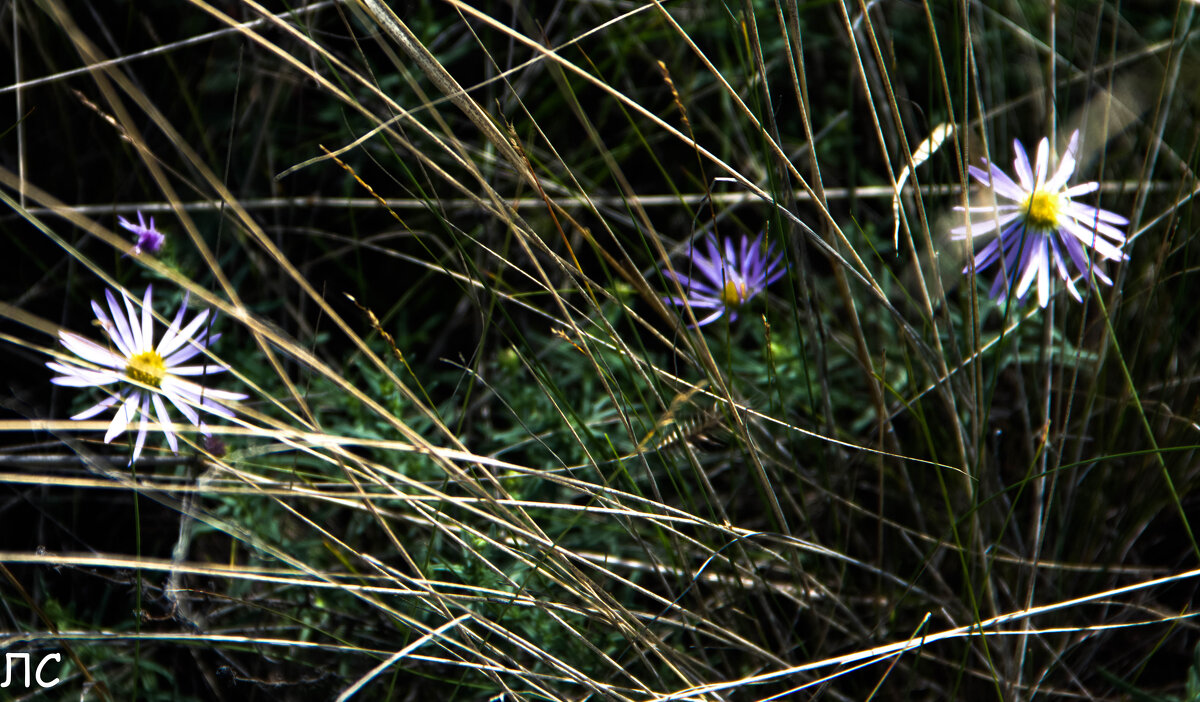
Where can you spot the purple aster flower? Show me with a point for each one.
(145, 372)
(1044, 229)
(728, 279)
(148, 238)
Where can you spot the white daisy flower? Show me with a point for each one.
(1044, 228)
(146, 372)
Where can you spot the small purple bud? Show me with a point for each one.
(149, 239)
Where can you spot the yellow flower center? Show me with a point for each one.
(147, 368)
(733, 295)
(1041, 210)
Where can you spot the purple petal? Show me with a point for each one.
(775, 270)
(713, 266)
(747, 260)
(979, 174)
(691, 285)
(986, 256)
(694, 302)
(729, 259)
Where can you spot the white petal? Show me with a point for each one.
(142, 429)
(1088, 216)
(182, 393)
(196, 370)
(1043, 162)
(1066, 167)
(123, 416)
(227, 395)
(164, 418)
(1028, 273)
(77, 377)
(91, 351)
(984, 226)
(1005, 187)
(147, 319)
(1043, 274)
(979, 174)
(1021, 164)
(193, 392)
(110, 330)
(173, 329)
(97, 408)
(1093, 242)
(192, 346)
(989, 209)
(189, 350)
(192, 415)
(1081, 189)
(1107, 230)
(138, 342)
(121, 325)
(1102, 215)
(166, 347)
(214, 408)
